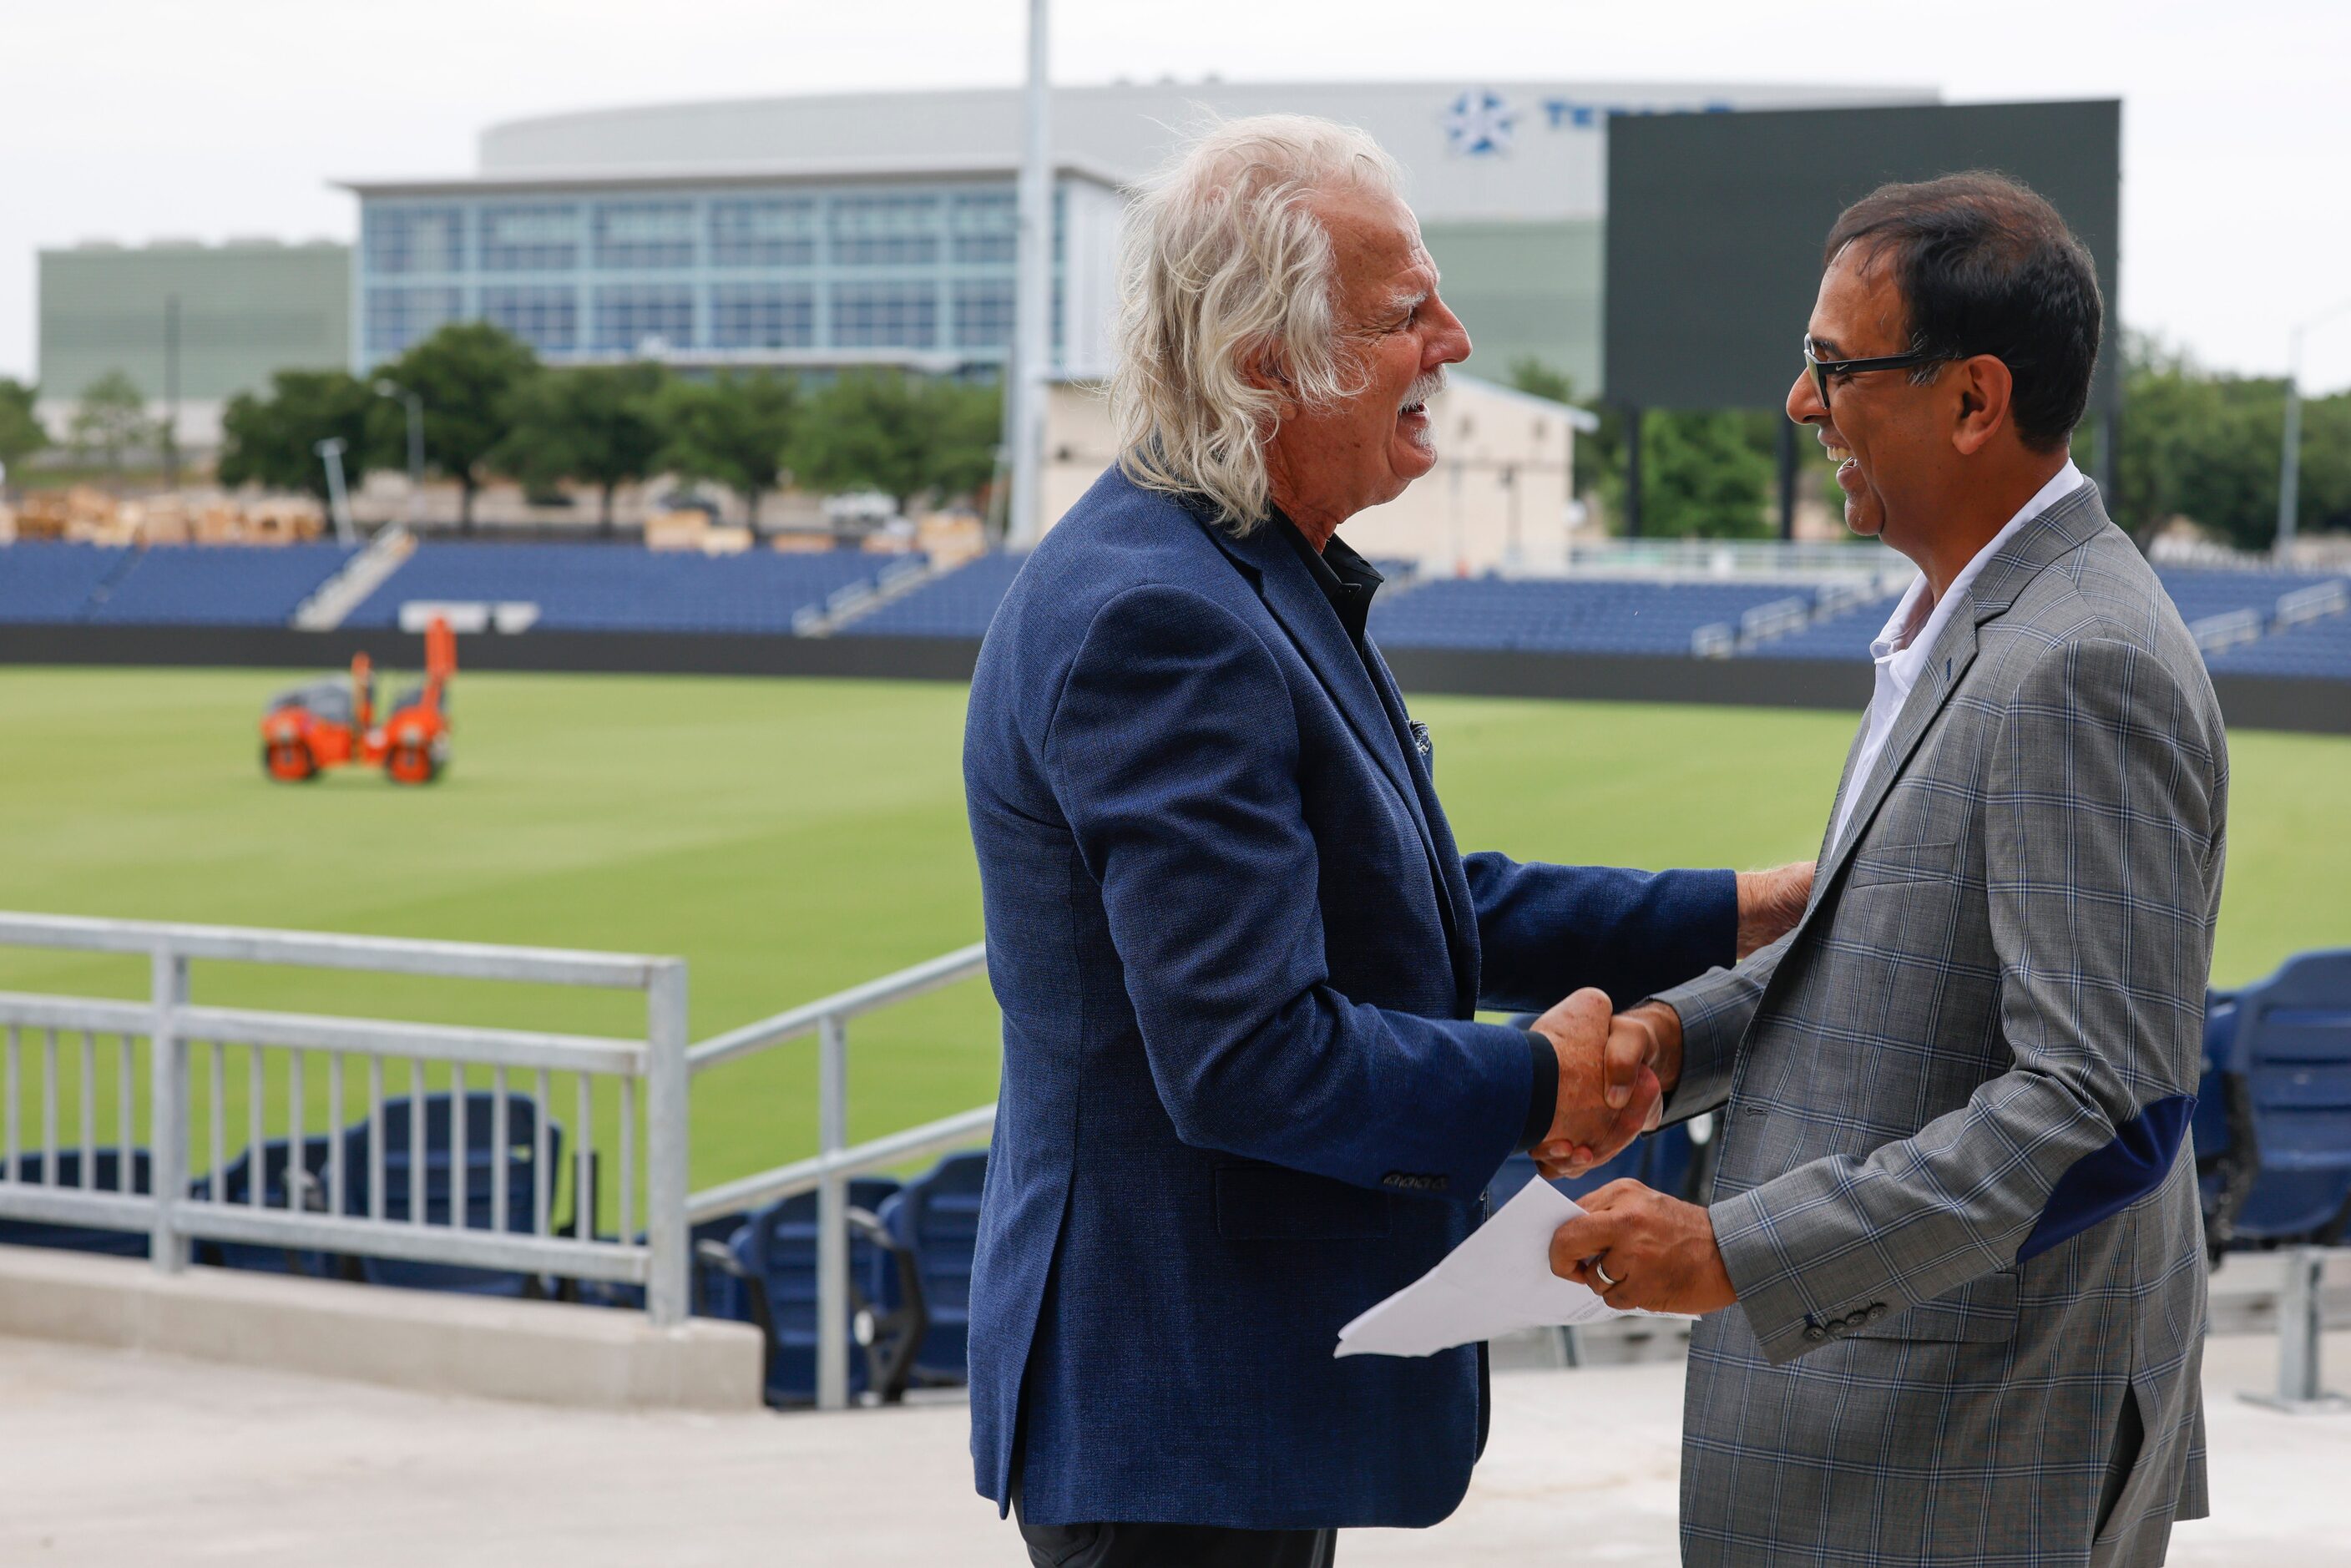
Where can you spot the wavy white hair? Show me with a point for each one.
(1224, 265)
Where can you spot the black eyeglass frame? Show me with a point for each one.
(1823, 370)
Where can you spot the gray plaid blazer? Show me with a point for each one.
(1947, 1192)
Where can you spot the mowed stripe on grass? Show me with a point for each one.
(791, 838)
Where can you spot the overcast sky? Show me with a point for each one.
(133, 118)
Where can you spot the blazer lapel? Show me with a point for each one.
(1290, 591)
(2072, 519)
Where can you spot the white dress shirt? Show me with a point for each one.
(1900, 651)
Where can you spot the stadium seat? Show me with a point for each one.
(481, 1156)
(619, 588)
(2284, 1176)
(309, 1192)
(958, 603)
(936, 1218)
(106, 1175)
(777, 1246)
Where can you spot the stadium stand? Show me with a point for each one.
(601, 588)
(216, 585)
(958, 603)
(175, 585)
(777, 1246)
(1584, 615)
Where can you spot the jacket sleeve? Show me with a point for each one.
(1546, 930)
(1173, 751)
(1715, 1010)
(2101, 829)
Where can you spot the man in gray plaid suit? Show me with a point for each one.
(1966, 1261)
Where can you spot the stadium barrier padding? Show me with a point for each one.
(2249, 701)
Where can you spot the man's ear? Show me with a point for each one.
(1984, 386)
(1264, 368)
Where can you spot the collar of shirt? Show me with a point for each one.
(1917, 621)
(1345, 578)
(1900, 651)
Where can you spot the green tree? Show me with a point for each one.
(904, 437)
(469, 375)
(274, 440)
(598, 425)
(2205, 447)
(111, 421)
(1599, 454)
(1702, 476)
(21, 434)
(733, 429)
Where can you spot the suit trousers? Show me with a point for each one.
(1116, 1545)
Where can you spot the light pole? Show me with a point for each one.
(1033, 297)
(338, 502)
(2290, 456)
(415, 447)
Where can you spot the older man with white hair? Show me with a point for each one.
(1239, 959)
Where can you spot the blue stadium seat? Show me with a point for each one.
(619, 588)
(216, 585)
(481, 1158)
(958, 603)
(50, 582)
(2285, 1175)
(309, 1192)
(777, 1246)
(936, 1218)
(106, 1175)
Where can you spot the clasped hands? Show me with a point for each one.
(1635, 1247)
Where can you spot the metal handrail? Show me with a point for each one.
(651, 1070)
(796, 1023)
(828, 1172)
(954, 1132)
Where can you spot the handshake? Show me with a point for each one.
(1616, 1068)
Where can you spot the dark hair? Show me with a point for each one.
(1985, 265)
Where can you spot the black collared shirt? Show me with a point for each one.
(1349, 581)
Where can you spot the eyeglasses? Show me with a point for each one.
(1823, 370)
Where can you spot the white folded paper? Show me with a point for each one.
(1497, 1281)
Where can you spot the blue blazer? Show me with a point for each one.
(1243, 1095)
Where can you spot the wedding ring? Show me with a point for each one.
(1604, 1278)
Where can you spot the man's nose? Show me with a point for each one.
(1450, 344)
(1804, 406)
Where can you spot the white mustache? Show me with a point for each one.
(1423, 388)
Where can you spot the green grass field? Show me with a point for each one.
(789, 838)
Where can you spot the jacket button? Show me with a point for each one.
(1815, 1333)
(1876, 1311)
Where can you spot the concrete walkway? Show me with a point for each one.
(113, 1458)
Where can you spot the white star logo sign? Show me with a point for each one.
(1479, 124)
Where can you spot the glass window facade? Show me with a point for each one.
(546, 317)
(651, 318)
(645, 234)
(831, 271)
(530, 239)
(885, 315)
(885, 231)
(983, 313)
(396, 241)
(397, 318)
(762, 316)
(769, 232)
(984, 226)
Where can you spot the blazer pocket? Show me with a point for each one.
(1981, 1312)
(1267, 1203)
(1880, 863)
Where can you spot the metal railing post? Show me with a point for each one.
(2300, 1325)
(832, 1218)
(667, 1133)
(167, 1110)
